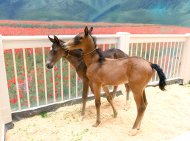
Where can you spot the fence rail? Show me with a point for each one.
(27, 84)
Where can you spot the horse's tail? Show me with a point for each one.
(162, 82)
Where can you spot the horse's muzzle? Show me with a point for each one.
(49, 66)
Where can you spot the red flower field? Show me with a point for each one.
(67, 28)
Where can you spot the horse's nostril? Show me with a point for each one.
(49, 66)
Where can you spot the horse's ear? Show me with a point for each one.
(56, 39)
(51, 39)
(90, 30)
(86, 31)
(61, 42)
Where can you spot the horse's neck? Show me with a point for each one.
(90, 58)
(75, 61)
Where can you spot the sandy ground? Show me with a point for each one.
(167, 116)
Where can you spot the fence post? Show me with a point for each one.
(5, 109)
(123, 43)
(185, 61)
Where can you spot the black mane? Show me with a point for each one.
(101, 55)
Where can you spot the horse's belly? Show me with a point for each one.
(114, 80)
(107, 79)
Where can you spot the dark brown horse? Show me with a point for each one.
(75, 57)
(135, 71)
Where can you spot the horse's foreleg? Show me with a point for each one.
(109, 98)
(96, 89)
(84, 95)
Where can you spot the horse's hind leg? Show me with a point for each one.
(127, 91)
(144, 97)
(109, 98)
(127, 97)
(91, 87)
(146, 103)
(114, 91)
(141, 107)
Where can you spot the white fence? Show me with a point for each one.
(26, 83)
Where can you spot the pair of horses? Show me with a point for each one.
(102, 72)
(75, 57)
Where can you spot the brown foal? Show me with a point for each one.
(75, 57)
(135, 71)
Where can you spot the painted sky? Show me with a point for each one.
(165, 12)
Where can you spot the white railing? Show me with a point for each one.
(165, 50)
(26, 83)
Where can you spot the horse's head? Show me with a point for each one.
(81, 40)
(56, 52)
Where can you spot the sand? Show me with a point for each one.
(167, 116)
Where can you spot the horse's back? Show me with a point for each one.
(114, 53)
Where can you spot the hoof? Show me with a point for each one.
(115, 114)
(127, 107)
(81, 118)
(96, 124)
(134, 132)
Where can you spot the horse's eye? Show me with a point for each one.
(53, 52)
